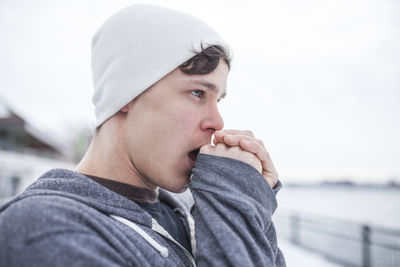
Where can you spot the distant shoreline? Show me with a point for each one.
(346, 184)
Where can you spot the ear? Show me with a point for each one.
(125, 108)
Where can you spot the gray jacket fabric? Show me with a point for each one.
(67, 219)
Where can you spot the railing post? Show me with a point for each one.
(366, 248)
(295, 229)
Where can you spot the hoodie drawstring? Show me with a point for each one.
(163, 250)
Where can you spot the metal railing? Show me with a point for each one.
(344, 242)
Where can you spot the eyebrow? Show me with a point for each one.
(209, 86)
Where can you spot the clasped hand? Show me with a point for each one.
(243, 146)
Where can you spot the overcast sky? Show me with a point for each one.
(317, 81)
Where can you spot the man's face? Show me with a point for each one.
(169, 122)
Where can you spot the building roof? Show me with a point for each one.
(8, 117)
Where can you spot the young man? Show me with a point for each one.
(158, 76)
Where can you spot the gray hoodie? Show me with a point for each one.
(67, 219)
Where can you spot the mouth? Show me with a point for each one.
(193, 154)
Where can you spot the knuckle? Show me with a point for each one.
(220, 145)
(248, 133)
(206, 148)
(227, 131)
(221, 148)
(260, 142)
(229, 137)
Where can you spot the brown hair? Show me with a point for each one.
(205, 61)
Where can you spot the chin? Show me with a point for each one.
(179, 186)
(178, 190)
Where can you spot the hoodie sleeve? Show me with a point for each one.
(232, 213)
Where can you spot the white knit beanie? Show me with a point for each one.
(137, 47)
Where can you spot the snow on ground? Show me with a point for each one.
(298, 257)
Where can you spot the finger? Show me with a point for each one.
(234, 140)
(218, 137)
(237, 153)
(260, 152)
(235, 132)
(262, 155)
(206, 149)
(212, 150)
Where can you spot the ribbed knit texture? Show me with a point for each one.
(137, 47)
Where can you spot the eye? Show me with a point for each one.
(198, 93)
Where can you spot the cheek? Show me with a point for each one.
(165, 127)
(177, 129)
(172, 127)
(188, 121)
(189, 116)
(182, 115)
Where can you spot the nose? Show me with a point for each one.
(213, 120)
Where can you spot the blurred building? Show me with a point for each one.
(25, 153)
